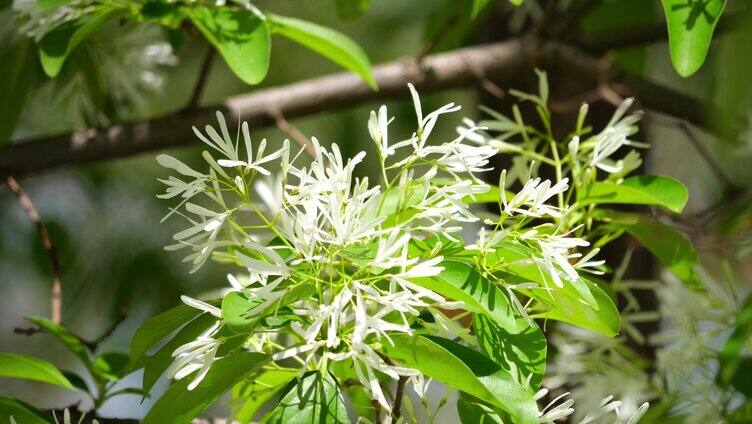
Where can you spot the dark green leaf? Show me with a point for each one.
(327, 42)
(240, 36)
(31, 368)
(465, 370)
(667, 244)
(640, 190)
(690, 29)
(21, 412)
(57, 44)
(315, 398)
(735, 360)
(156, 329)
(476, 413)
(17, 76)
(157, 364)
(76, 380)
(256, 390)
(178, 405)
(504, 335)
(351, 9)
(114, 364)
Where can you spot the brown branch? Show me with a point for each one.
(28, 206)
(399, 394)
(294, 132)
(504, 61)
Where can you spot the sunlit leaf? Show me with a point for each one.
(315, 398)
(240, 36)
(512, 342)
(474, 413)
(690, 29)
(258, 389)
(178, 405)
(327, 42)
(464, 369)
(31, 368)
(640, 190)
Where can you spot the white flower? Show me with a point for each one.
(378, 127)
(614, 136)
(531, 199)
(556, 252)
(487, 244)
(197, 355)
(202, 306)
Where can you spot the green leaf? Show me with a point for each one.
(235, 307)
(736, 364)
(155, 365)
(31, 368)
(74, 344)
(516, 2)
(581, 303)
(17, 77)
(316, 398)
(478, 5)
(57, 44)
(21, 412)
(327, 42)
(466, 370)
(254, 391)
(667, 244)
(504, 335)
(690, 30)
(640, 190)
(76, 380)
(475, 413)
(351, 9)
(114, 364)
(178, 405)
(156, 329)
(240, 36)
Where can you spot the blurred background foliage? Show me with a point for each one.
(104, 217)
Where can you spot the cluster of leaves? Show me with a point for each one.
(104, 371)
(500, 366)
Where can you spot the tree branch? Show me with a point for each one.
(398, 395)
(31, 212)
(503, 62)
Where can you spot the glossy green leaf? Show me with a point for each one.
(21, 412)
(667, 244)
(258, 389)
(466, 370)
(327, 42)
(351, 9)
(57, 44)
(315, 398)
(17, 76)
(640, 190)
(513, 343)
(155, 365)
(581, 303)
(516, 2)
(31, 368)
(156, 329)
(475, 413)
(73, 343)
(178, 405)
(735, 359)
(240, 36)
(235, 307)
(690, 29)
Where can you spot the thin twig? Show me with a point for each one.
(399, 394)
(203, 77)
(706, 155)
(376, 411)
(28, 206)
(93, 344)
(293, 132)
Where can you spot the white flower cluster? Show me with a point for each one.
(314, 224)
